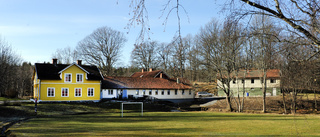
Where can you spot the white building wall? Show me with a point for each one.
(255, 84)
(180, 95)
(105, 93)
(188, 94)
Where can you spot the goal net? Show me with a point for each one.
(131, 103)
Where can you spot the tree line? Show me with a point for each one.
(15, 75)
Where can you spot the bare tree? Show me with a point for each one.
(145, 55)
(65, 55)
(165, 51)
(102, 48)
(220, 51)
(264, 35)
(302, 17)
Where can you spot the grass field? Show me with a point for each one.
(170, 124)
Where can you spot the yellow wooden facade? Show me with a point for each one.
(41, 87)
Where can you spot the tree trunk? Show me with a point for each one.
(264, 90)
(284, 102)
(315, 100)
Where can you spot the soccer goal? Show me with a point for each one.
(131, 103)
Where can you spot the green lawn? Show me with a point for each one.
(170, 124)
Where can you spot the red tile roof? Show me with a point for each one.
(150, 74)
(143, 83)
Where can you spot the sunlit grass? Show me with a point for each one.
(170, 124)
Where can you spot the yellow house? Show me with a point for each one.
(66, 82)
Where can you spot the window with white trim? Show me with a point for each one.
(168, 92)
(162, 92)
(156, 92)
(137, 92)
(77, 92)
(110, 92)
(272, 81)
(144, 92)
(176, 92)
(64, 92)
(190, 92)
(150, 92)
(50, 92)
(79, 77)
(68, 77)
(183, 92)
(90, 92)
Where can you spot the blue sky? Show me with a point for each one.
(37, 28)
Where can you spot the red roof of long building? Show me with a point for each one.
(143, 83)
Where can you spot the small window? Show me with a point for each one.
(189, 92)
(168, 92)
(79, 77)
(110, 92)
(156, 92)
(162, 92)
(150, 92)
(137, 92)
(175, 92)
(234, 81)
(78, 92)
(67, 77)
(90, 92)
(252, 81)
(272, 81)
(242, 81)
(50, 92)
(64, 92)
(183, 92)
(144, 92)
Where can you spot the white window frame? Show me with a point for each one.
(150, 92)
(182, 92)
(162, 92)
(144, 92)
(65, 77)
(75, 89)
(68, 93)
(49, 91)
(190, 92)
(89, 91)
(79, 74)
(176, 92)
(168, 92)
(110, 92)
(137, 92)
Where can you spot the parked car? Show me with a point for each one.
(204, 94)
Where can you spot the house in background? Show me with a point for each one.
(66, 82)
(252, 82)
(155, 84)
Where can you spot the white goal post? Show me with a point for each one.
(131, 103)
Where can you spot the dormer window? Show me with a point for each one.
(79, 77)
(67, 77)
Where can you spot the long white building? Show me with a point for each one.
(155, 84)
